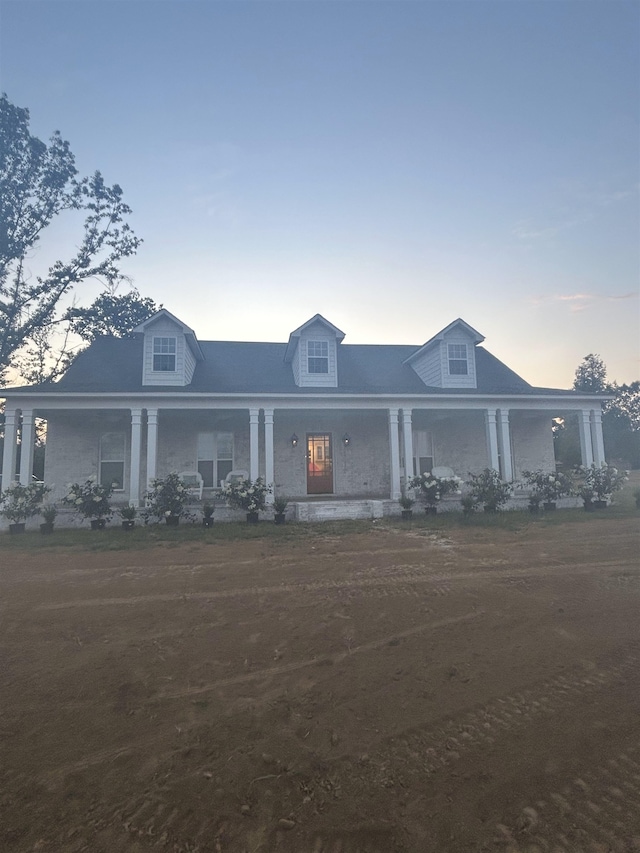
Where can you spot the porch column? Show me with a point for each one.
(505, 445)
(27, 441)
(597, 441)
(394, 454)
(152, 444)
(269, 474)
(254, 469)
(492, 438)
(9, 452)
(584, 429)
(136, 448)
(407, 440)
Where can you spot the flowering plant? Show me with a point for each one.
(547, 486)
(49, 513)
(19, 502)
(89, 499)
(599, 483)
(489, 489)
(431, 489)
(167, 496)
(249, 495)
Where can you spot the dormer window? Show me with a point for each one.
(164, 355)
(458, 364)
(317, 356)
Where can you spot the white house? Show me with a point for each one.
(326, 422)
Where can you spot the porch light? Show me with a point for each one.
(294, 440)
(346, 439)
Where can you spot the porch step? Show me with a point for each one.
(330, 510)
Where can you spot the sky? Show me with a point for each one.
(390, 165)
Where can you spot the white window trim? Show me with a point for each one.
(451, 358)
(101, 458)
(169, 338)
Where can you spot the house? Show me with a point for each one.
(327, 423)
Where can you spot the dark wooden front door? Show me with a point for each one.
(319, 464)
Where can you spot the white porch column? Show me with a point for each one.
(152, 444)
(584, 429)
(504, 439)
(9, 453)
(407, 440)
(492, 438)
(136, 449)
(597, 441)
(394, 454)
(254, 467)
(269, 473)
(27, 442)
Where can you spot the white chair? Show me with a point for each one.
(194, 483)
(442, 472)
(234, 477)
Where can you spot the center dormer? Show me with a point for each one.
(312, 352)
(448, 360)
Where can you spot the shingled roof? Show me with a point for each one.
(114, 365)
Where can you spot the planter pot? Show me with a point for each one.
(17, 527)
(98, 523)
(549, 506)
(431, 510)
(207, 522)
(600, 504)
(46, 527)
(279, 518)
(491, 509)
(252, 518)
(588, 506)
(172, 520)
(128, 524)
(407, 514)
(534, 508)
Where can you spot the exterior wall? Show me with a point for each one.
(359, 470)
(73, 449)
(184, 358)
(532, 442)
(429, 368)
(460, 442)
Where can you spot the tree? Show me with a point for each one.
(38, 182)
(591, 374)
(111, 315)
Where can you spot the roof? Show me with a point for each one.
(114, 365)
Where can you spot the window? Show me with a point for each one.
(215, 457)
(458, 365)
(317, 356)
(422, 452)
(164, 354)
(112, 460)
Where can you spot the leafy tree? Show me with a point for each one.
(38, 182)
(111, 315)
(591, 374)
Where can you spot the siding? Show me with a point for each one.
(165, 328)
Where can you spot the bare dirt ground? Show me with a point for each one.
(398, 690)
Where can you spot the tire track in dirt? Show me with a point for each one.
(597, 811)
(414, 574)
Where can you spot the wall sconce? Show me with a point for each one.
(294, 440)
(346, 439)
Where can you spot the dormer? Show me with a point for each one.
(312, 352)
(171, 350)
(448, 360)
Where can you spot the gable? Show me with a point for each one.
(170, 350)
(312, 352)
(448, 359)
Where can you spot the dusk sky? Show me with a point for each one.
(390, 165)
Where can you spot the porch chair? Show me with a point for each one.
(234, 477)
(443, 472)
(194, 483)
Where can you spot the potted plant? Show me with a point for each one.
(469, 505)
(249, 495)
(207, 515)
(597, 483)
(18, 503)
(167, 498)
(488, 489)
(406, 504)
(432, 489)
(279, 507)
(128, 514)
(49, 513)
(547, 487)
(90, 500)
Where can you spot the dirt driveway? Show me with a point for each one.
(396, 689)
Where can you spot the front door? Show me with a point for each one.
(319, 464)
